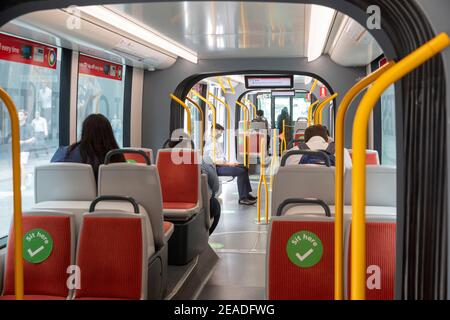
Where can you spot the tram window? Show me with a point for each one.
(101, 90)
(263, 101)
(30, 73)
(300, 106)
(388, 140)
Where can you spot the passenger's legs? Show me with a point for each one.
(243, 181)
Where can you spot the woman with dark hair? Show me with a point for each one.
(97, 139)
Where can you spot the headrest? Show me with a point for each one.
(64, 182)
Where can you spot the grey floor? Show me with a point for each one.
(241, 245)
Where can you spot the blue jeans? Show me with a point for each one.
(243, 181)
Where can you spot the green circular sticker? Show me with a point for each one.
(304, 249)
(37, 245)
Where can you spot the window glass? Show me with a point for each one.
(388, 141)
(30, 74)
(264, 103)
(101, 90)
(300, 106)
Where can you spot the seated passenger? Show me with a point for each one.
(317, 138)
(229, 169)
(97, 139)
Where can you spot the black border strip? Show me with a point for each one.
(64, 96)
(128, 86)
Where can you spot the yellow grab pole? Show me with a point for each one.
(358, 235)
(319, 109)
(228, 108)
(231, 85)
(219, 80)
(310, 112)
(15, 143)
(262, 179)
(274, 160)
(339, 180)
(283, 144)
(246, 111)
(213, 109)
(202, 121)
(181, 103)
(255, 109)
(313, 86)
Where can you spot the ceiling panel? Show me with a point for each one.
(226, 29)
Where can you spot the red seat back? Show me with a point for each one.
(287, 281)
(48, 277)
(180, 178)
(136, 158)
(110, 257)
(380, 257)
(371, 157)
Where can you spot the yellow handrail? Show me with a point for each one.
(213, 109)
(310, 112)
(262, 179)
(313, 86)
(202, 121)
(246, 112)
(181, 103)
(17, 194)
(228, 108)
(319, 109)
(231, 85)
(274, 160)
(358, 234)
(339, 180)
(255, 109)
(219, 80)
(283, 144)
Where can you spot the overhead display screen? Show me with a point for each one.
(269, 82)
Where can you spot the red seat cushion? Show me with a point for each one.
(380, 252)
(110, 258)
(290, 282)
(49, 277)
(167, 226)
(179, 205)
(179, 173)
(32, 297)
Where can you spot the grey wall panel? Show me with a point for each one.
(158, 85)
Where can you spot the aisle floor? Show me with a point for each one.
(241, 245)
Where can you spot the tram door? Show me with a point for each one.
(282, 109)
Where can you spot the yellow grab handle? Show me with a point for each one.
(358, 235)
(213, 110)
(262, 179)
(255, 109)
(18, 245)
(246, 112)
(181, 103)
(319, 109)
(339, 180)
(227, 107)
(202, 121)
(310, 112)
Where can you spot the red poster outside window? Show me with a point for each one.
(99, 68)
(308, 96)
(28, 52)
(323, 92)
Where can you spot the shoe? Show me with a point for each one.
(250, 197)
(247, 202)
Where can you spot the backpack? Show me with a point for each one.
(314, 159)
